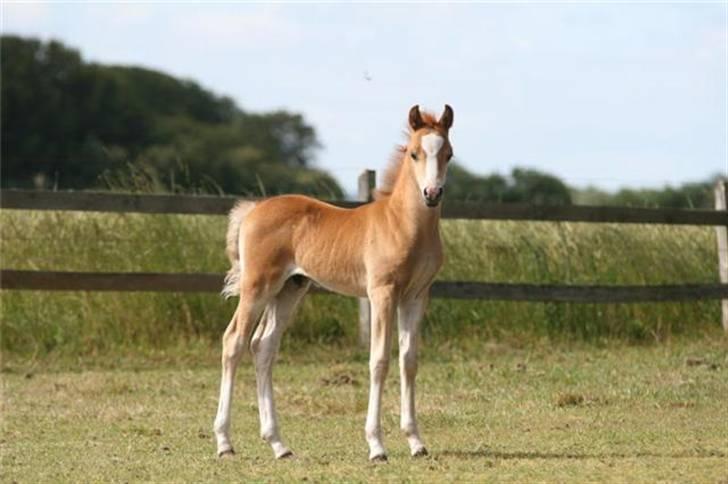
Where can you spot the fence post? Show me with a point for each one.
(366, 183)
(722, 235)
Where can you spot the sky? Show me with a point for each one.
(602, 94)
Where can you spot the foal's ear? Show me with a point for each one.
(415, 118)
(446, 118)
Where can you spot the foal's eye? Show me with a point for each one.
(413, 155)
(449, 157)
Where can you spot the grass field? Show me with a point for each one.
(574, 413)
(123, 387)
(39, 325)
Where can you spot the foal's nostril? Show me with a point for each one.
(432, 193)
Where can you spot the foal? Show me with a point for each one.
(388, 250)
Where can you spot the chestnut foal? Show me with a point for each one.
(388, 250)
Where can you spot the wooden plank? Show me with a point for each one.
(122, 202)
(114, 202)
(112, 281)
(578, 294)
(208, 205)
(583, 213)
(109, 281)
(722, 237)
(365, 185)
(206, 282)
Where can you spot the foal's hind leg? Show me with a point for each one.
(234, 342)
(265, 344)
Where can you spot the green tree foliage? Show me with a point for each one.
(531, 186)
(71, 124)
(687, 195)
(524, 185)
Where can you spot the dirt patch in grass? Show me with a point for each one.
(339, 380)
(578, 400)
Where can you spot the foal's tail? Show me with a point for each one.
(232, 247)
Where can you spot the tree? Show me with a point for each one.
(539, 188)
(687, 195)
(71, 124)
(524, 185)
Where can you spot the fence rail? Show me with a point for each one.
(209, 205)
(207, 282)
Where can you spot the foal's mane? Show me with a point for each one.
(391, 172)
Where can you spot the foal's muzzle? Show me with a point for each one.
(433, 195)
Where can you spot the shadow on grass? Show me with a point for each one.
(494, 454)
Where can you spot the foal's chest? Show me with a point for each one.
(424, 266)
(413, 267)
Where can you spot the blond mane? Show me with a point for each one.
(394, 166)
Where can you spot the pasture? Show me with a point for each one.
(123, 387)
(502, 413)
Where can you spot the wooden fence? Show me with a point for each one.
(209, 205)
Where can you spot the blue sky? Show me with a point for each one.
(604, 94)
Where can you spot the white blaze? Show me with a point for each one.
(431, 144)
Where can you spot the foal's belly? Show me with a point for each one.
(336, 278)
(351, 281)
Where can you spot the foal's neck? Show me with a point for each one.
(408, 204)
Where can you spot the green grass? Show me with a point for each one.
(123, 386)
(565, 413)
(37, 325)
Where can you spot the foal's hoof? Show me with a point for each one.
(287, 454)
(379, 458)
(421, 452)
(226, 454)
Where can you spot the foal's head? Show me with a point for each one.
(429, 151)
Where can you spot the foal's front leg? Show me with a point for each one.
(410, 315)
(383, 306)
